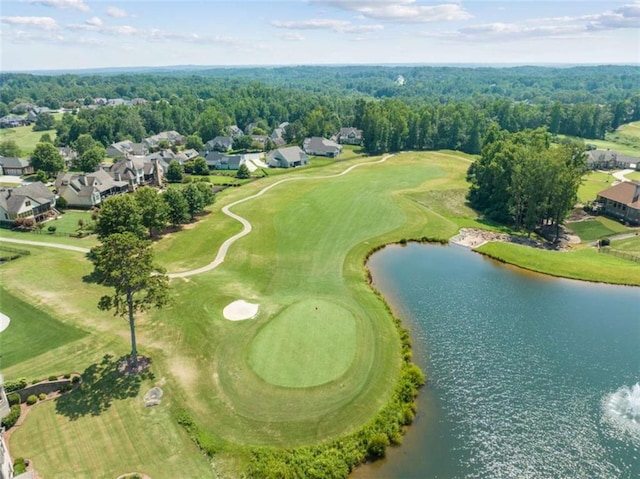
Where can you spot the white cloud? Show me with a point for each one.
(41, 23)
(400, 11)
(340, 26)
(95, 21)
(117, 12)
(627, 16)
(292, 37)
(104, 29)
(72, 4)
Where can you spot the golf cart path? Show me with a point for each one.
(48, 245)
(246, 226)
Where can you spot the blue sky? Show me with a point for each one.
(70, 34)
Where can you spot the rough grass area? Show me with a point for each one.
(584, 263)
(628, 137)
(320, 345)
(25, 137)
(31, 331)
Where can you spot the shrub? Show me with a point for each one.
(403, 241)
(10, 386)
(75, 380)
(53, 377)
(605, 242)
(19, 466)
(67, 376)
(61, 203)
(42, 396)
(14, 398)
(52, 229)
(9, 420)
(377, 445)
(35, 381)
(32, 399)
(65, 387)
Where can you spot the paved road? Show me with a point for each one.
(47, 245)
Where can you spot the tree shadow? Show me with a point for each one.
(102, 383)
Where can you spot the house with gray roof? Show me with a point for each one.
(12, 121)
(12, 166)
(234, 130)
(88, 189)
(219, 143)
(349, 136)
(321, 147)
(288, 157)
(124, 148)
(172, 137)
(609, 159)
(33, 201)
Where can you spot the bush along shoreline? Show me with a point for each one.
(337, 458)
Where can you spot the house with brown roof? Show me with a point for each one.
(34, 201)
(622, 201)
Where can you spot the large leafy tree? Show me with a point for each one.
(199, 196)
(175, 172)
(45, 121)
(155, 212)
(9, 148)
(47, 158)
(178, 208)
(119, 214)
(125, 263)
(91, 158)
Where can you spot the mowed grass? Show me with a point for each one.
(600, 227)
(627, 245)
(584, 263)
(68, 222)
(25, 137)
(634, 176)
(19, 343)
(308, 344)
(593, 183)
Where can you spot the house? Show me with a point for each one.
(321, 147)
(261, 139)
(33, 201)
(622, 201)
(68, 154)
(234, 130)
(138, 101)
(287, 157)
(186, 155)
(130, 170)
(349, 136)
(219, 161)
(124, 148)
(608, 159)
(12, 166)
(32, 116)
(12, 121)
(88, 189)
(172, 137)
(219, 143)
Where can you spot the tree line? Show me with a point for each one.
(520, 179)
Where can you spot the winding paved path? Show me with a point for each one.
(224, 248)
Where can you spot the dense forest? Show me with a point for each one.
(399, 108)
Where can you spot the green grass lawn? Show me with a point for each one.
(25, 137)
(19, 343)
(320, 345)
(67, 223)
(584, 263)
(590, 230)
(592, 184)
(306, 250)
(635, 176)
(628, 245)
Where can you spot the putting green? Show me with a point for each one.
(311, 342)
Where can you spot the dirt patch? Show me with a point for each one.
(127, 366)
(474, 238)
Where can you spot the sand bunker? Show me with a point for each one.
(4, 322)
(240, 310)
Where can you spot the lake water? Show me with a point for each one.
(529, 376)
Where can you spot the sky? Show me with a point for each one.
(78, 34)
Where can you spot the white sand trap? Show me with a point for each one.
(240, 310)
(4, 322)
